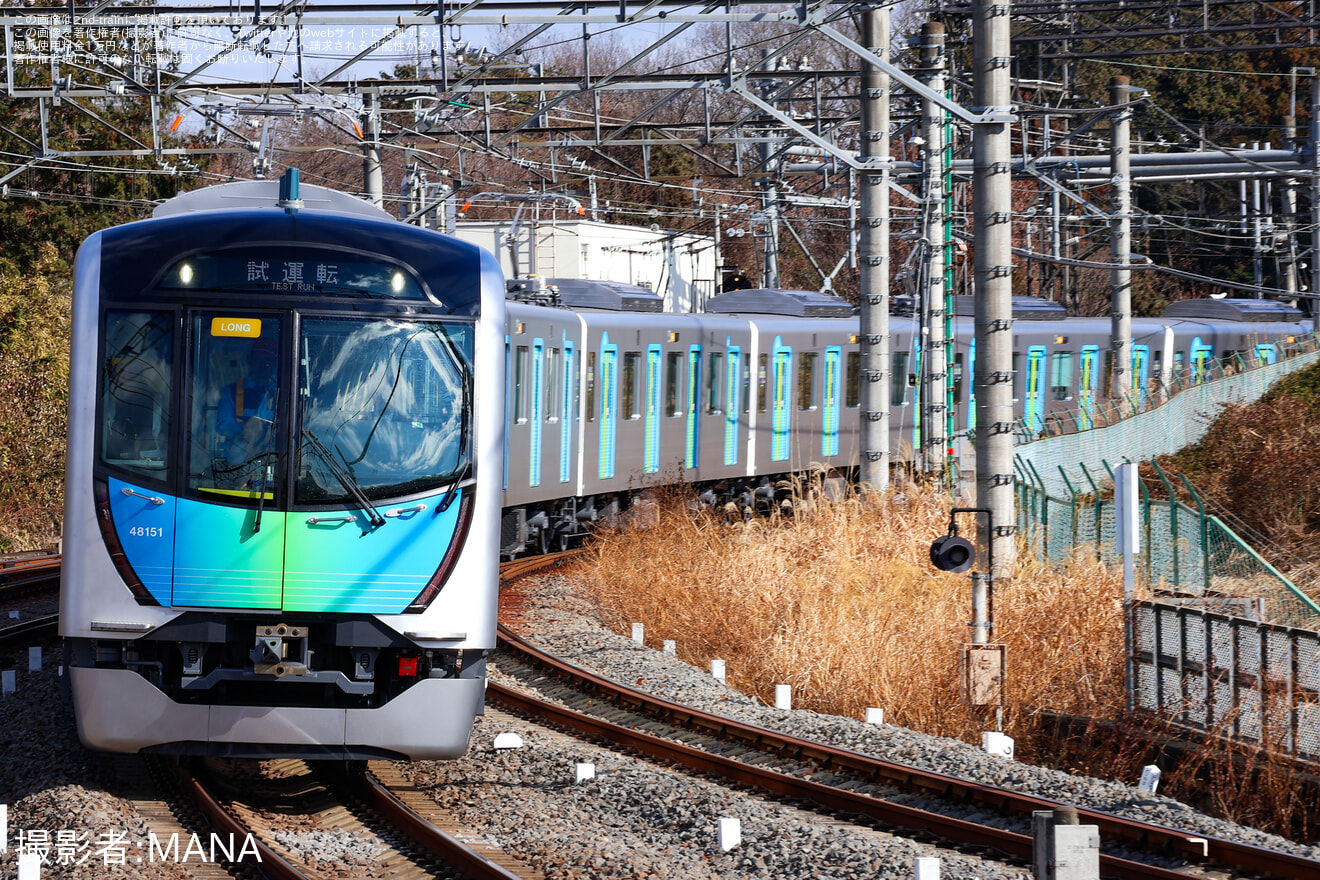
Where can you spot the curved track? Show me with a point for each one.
(851, 768)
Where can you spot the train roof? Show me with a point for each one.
(611, 296)
(1260, 311)
(250, 194)
(793, 303)
(1025, 308)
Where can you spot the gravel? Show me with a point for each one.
(634, 820)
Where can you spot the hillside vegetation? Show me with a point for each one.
(34, 376)
(1260, 462)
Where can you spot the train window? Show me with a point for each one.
(521, 356)
(853, 379)
(762, 373)
(747, 387)
(957, 379)
(673, 381)
(1061, 374)
(806, 389)
(234, 438)
(713, 376)
(554, 397)
(591, 386)
(632, 378)
(383, 409)
(135, 395)
(898, 380)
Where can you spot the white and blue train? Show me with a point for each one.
(295, 458)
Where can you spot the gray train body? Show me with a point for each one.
(607, 396)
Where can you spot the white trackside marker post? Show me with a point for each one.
(874, 715)
(783, 696)
(717, 669)
(1127, 522)
(730, 833)
(585, 772)
(671, 647)
(29, 866)
(639, 632)
(34, 658)
(1150, 778)
(8, 681)
(997, 744)
(926, 869)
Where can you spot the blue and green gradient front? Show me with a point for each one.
(195, 554)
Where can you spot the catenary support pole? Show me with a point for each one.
(373, 176)
(874, 263)
(935, 369)
(992, 208)
(1120, 247)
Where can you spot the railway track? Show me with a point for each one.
(596, 707)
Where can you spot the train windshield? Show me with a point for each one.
(383, 408)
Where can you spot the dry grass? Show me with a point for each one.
(842, 603)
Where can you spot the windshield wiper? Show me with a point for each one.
(345, 477)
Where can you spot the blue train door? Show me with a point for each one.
(971, 385)
(609, 365)
(651, 452)
(1267, 353)
(1141, 375)
(732, 390)
(780, 415)
(692, 457)
(1087, 378)
(829, 441)
(1201, 355)
(1034, 410)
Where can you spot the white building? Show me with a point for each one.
(681, 267)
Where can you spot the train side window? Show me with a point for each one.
(898, 380)
(762, 373)
(853, 380)
(521, 400)
(135, 395)
(591, 386)
(1061, 375)
(713, 376)
(806, 390)
(673, 382)
(632, 377)
(957, 379)
(747, 386)
(554, 396)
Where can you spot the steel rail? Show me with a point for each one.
(1157, 839)
(36, 629)
(270, 862)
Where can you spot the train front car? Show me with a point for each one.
(281, 533)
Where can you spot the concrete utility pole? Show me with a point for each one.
(1120, 248)
(1315, 185)
(992, 207)
(874, 268)
(373, 175)
(934, 374)
(1288, 206)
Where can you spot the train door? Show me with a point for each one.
(651, 445)
(229, 528)
(609, 404)
(536, 418)
(780, 403)
(1034, 390)
(692, 451)
(1141, 376)
(1267, 353)
(1088, 378)
(567, 411)
(970, 382)
(1201, 357)
(733, 382)
(829, 437)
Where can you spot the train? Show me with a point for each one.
(281, 514)
(608, 394)
(302, 436)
